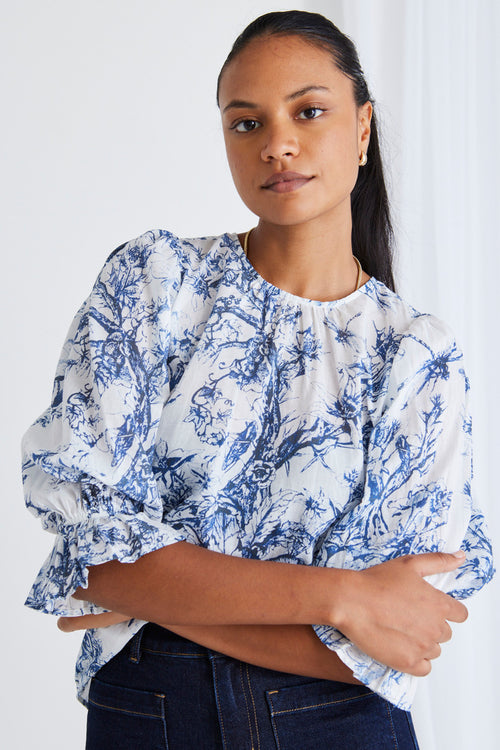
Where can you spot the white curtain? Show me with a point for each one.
(434, 70)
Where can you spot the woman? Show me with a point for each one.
(227, 406)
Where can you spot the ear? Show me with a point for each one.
(364, 119)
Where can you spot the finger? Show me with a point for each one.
(422, 669)
(83, 622)
(69, 624)
(434, 652)
(446, 633)
(430, 563)
(458, 611)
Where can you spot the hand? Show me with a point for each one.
(395, 616)
(69, 624)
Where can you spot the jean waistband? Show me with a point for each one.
(157, 640)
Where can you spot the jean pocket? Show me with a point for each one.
(125, 718)
(331, 715)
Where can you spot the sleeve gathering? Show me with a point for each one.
(87, 459)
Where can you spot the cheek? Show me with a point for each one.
(339, 152)
(239, 170)
(236, 173)
(233, 159)
(339, 159)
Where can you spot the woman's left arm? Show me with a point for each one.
(284, 648)
(417, 488)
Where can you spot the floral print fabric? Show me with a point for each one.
(195, 401)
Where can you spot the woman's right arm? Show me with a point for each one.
(389, 610)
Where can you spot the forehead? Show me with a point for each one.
(278, 65)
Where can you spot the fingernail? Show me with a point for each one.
(460, 554)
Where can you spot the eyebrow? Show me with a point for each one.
(241, 104)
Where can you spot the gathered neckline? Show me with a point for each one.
(276, 290)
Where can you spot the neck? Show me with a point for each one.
(310, 261)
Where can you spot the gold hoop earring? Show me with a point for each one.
(363, 159)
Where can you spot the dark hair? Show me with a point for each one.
(372, 234)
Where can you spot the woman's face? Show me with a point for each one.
(292, 129)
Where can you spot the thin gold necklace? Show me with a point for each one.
(360, 273)
(360, 270)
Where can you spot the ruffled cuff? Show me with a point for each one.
(396, 687)
(478, 569)
(92, 541)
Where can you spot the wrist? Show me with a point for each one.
(325, 593)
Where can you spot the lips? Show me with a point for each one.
(285, 182)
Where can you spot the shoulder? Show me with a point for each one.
(411, 325)
(156, 263)
(165, 252)
(152, 246)
(420, 348)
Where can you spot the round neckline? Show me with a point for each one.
(276, 290)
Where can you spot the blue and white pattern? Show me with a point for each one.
(195, 401)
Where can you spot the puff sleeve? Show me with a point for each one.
(87, 460)
(417, 488)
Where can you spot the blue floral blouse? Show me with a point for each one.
(195, 401)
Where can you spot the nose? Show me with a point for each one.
(280, 142)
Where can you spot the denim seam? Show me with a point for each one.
(393, 730)
(135, 647)
(246, 705)
(275, 729)
(219, 712)
(174, 653)
(318, 705)
(125, 710)
(162, 697)
(253, 704)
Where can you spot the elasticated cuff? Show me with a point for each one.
(93, 541)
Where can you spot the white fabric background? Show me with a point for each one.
(109, 128)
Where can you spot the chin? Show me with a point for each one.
(288, 213)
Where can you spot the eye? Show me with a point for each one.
(310, 113)
(246, 126)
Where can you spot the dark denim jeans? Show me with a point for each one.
(163, 691)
